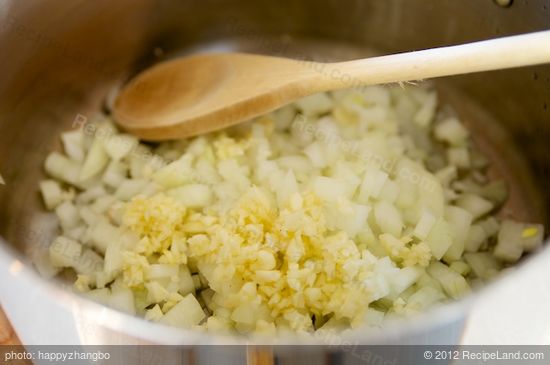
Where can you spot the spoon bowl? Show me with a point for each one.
(207, 91)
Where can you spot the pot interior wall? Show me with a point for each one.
(60, 62)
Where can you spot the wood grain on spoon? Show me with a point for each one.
(202, 93)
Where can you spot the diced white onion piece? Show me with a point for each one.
(379, 283)
(316, 104)
(102, 278)
(376, 95)
(244, 314)
(476, 237)
(120, 145)
(347, 172)
(102, 295)
(130, 188)
(91, 194)
(424, 225)
(374, 181)
(122, 299)
(284, 117)
(403, 279)
(460, 221)
(65, 252)
(150, 189)
(157, 271)
(446, 175)
(467, 186)
(490, 225)
(302, 132)
(299, 165)
(315, 153)
(424, 297)
(103, 234)
(192, 195)
(234, 173)
(51, 193)
(62, 168)
(426, 113)
(483, 264)
(156, 292)
(176, 173)
(77, 233)
(496, 192)
(267, 276)
(332, 152)
(419, 190)
(439, 239)
(86, 237)
(373, 317)
(408, 194)
(459, 157)
(287, 188)
(366, 237)
(89, 263)
(141, 162)
(186, 313)
(388, 218)
(346, 216)
(452, 131)
(43, 263)
(425, 280)
(68, 215)
(128, 239)
(460, 267)
(186, 283)
(206, 172)
(88, 215)
(371, 115)
(153, 314)
(453, 283)
(114, 175)
(474, 204)
(389, 192)
(509, 246)
(330, 189)
(96, 160)
(73, 144)
(103, 203)
(113, 257)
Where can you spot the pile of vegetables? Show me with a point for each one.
(341, 210)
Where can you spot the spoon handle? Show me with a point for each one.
(494, 54)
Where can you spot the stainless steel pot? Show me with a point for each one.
(59, 59)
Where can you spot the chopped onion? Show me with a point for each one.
(454, 284)
(339, 207)
(51, 193)
(474, 204)
(186, 313)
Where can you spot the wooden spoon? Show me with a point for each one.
(206, 92)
